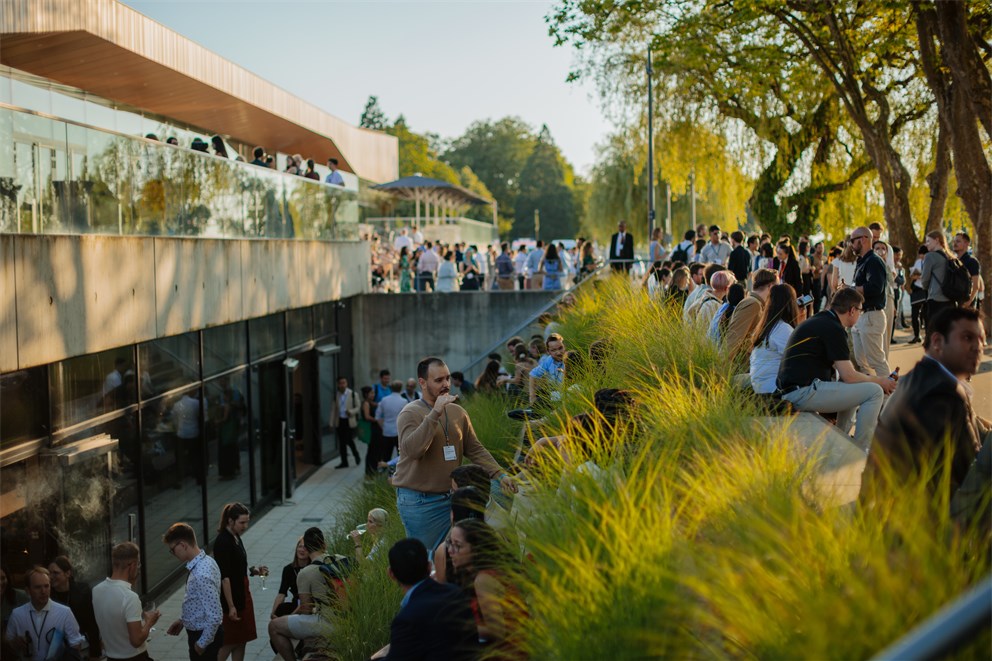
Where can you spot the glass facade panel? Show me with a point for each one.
(169, 363)
(172, 472)
(228, 477)
(298, 326)
(223, 348)
(88, 386)
(23, 406)
(266, 336)
(325, 320)
(77, 178)
(94, 490)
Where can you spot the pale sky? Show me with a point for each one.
(441, 64)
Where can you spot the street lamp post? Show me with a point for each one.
(650, 151)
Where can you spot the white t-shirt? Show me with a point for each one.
(402, 241)
(115, 604)
(845, 272)
(766, 358)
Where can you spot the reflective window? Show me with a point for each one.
(298, 324)
(88, 386)
(224, 347)
(23, 405)
(169, 363)
(228, 477)
(325, 320)
(95, 488)
(172, 457)
(266, 335)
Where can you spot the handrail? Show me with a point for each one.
(534, 317)
(947, 630)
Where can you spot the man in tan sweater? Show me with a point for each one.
(747, 314)
(434, 435)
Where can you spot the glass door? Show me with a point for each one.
(326, 382)
(268, 394)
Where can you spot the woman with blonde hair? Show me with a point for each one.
(935, 274)
(375, 528)
(842, 273)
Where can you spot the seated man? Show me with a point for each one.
(435, 621)
(551, 367)
(314, 590)
(816, 348)
(933, 404)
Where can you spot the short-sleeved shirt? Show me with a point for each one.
(812, 350)
(313, 582)
(115, 604)
(970, 263)
(550, 368)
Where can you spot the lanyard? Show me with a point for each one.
(444, 427)
(38, 632)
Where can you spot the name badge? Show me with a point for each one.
(449, 453)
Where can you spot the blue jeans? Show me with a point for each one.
(426, 516)
(843, 399)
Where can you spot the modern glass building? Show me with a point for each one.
(173, 320)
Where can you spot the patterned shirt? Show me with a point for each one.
(201, 605)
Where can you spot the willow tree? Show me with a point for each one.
(742, 65)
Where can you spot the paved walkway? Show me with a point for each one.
(270, 540)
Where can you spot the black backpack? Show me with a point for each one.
(680, 254)
(956, 285)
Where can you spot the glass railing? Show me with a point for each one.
(61, 177)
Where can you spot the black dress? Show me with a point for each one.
(232, 559)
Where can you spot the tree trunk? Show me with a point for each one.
(961, 56)
(963, 103)
(937, 181)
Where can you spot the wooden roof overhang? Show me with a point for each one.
(117, 53)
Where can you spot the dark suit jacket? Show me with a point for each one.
(739, 263)
(626, 250)
(437, 624)
(927, 405)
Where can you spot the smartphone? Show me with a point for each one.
(803, 301)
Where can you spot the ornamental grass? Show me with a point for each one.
(693, 532)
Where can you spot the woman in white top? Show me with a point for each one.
(842, 274)
(447, 274)
(779, 319)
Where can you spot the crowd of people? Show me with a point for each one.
(810, 329)
(411, 263)
(295, 163)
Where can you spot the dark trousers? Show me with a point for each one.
(376, 451)
(209, 654)
(425, 278)
(620, 266)
(346, 441)
(817, 294)
(918, 314)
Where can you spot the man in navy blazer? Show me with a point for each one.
(435, 621)
(621, 248)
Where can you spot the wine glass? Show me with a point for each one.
(151, 607)
(263, 572)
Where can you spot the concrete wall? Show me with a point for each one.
(394, 331)
(64, 296)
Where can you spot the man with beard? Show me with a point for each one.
(871, 279)
(434, 435)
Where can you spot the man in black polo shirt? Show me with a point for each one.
(816, 348)
(871, 280)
